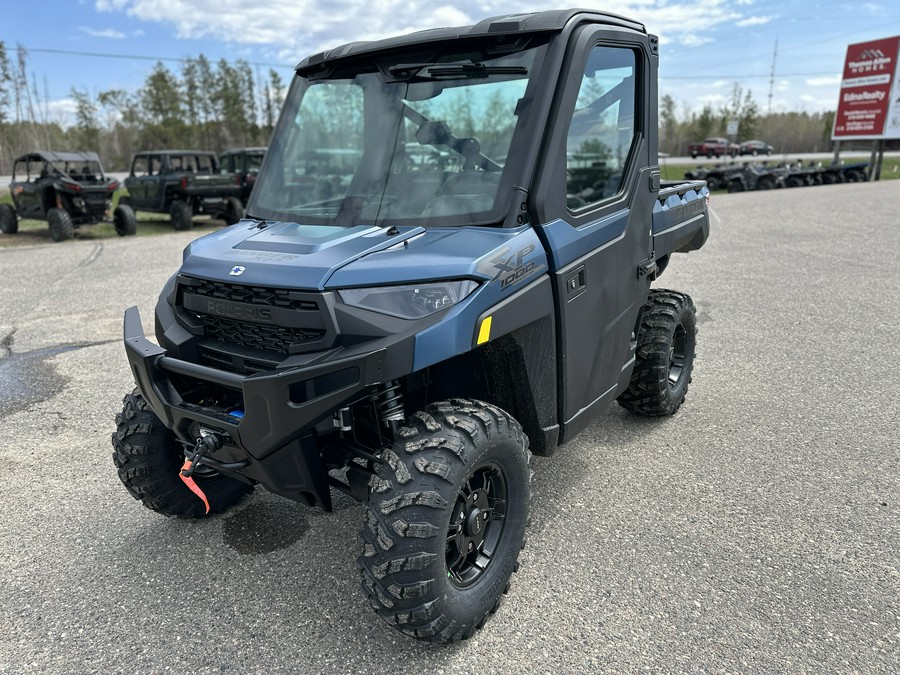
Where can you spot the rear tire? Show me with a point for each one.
(664, 358)
(234, 211)
(445, 520)
(124, 220)
(61, 225)
(182, 215)
(9, 221)
(149, 459)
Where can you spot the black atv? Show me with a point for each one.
(751, 177)
(67, 189)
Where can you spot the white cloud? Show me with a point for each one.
(824, 81)
(819, 104)
(754, 21)
(711, 98)
(874, 9)
(108, 33)
(62, 111)
(745, 2)
(301, 27)
(782, 85)
(691, 40)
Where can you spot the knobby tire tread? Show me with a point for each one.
(413, 493)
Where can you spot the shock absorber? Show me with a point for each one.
(390, 404)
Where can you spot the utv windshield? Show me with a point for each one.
(415, 139)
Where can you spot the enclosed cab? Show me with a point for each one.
(446, 265)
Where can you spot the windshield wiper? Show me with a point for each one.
(451, 70)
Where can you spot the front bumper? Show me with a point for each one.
(272, 443)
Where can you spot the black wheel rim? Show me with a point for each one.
(677, 354)
(477, 525)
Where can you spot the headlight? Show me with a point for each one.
(409, 302)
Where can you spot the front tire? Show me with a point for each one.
(664, 358)
(61, 225)
(124, 220)
(9, 221)
(148, 459)
(445, 520)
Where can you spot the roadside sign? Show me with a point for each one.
(732, 128)
(869, 103)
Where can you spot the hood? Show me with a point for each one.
(317, 257)
(286, 255)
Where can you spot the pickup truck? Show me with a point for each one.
(183, 183)
(407, 332)
(714, 147)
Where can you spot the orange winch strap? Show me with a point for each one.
(192, 486)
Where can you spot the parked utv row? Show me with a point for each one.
(70, 189)
(762, 177)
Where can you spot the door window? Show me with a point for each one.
(141, 166)
(602, 130)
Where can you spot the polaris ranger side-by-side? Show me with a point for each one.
(183, 183)
(407, 331)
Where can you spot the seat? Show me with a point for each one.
(463, 193)
(457, 205)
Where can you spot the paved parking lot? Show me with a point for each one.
(756, 530)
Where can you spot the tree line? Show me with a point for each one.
(787, 132)
(200, 105)
(213, 106)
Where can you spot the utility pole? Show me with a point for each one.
(772, 77)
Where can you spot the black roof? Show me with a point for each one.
(537, 22)
(236, 151)
(174, 152)
(49, 156)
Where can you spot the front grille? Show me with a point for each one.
(257, 335)
(246, 345)
(256, 295)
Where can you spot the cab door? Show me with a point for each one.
(137, 183)
(26, 188)
(596, 187)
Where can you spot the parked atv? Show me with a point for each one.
(717, 178)
(68, 190)
(755, 178)
(183, 183)
(409, 333)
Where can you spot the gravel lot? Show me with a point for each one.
(754, 531)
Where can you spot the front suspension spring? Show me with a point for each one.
(390, 403)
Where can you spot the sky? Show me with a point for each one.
(706, 45)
